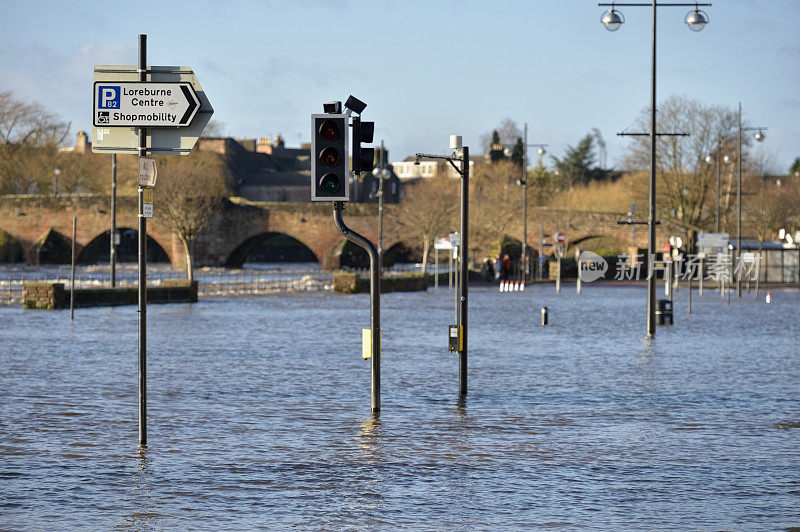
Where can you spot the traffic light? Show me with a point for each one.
(363, 158)
(329, 158)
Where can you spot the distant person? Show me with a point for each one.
(488, 270)
(506, 267)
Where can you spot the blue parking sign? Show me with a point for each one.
(108, 96)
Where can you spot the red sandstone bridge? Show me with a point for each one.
(41, 226)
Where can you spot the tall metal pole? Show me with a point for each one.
(380, 203)
(739, 210)
(719, 174)
(541, 251)
(525, 205)
(464, 258)
(72, 276)
(651, 228)
(375, 301)
(113, 247)
(142, 268)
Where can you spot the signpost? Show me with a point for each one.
(165, 135)
(141, 110)
(560, 237)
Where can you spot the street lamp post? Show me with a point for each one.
(381, 173)
(612, 20)
(726, 160)
(524, 183)
(759, 136)
(460, 154)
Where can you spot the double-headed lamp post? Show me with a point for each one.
(613, 19)
(523, 182)
(759, 136)
(726, 159)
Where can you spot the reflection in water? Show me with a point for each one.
(141, 499)
(369, 438)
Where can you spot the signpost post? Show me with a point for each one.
(560, 237)
(141, 110)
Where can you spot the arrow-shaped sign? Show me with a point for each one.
(144, 104)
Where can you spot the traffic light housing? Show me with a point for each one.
(329, 158)
(363, 158)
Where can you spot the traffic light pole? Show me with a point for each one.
(375, 300)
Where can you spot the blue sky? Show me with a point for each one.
(425, 68)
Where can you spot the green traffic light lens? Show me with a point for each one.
(329, 184)
(329, 156)
(329, 130)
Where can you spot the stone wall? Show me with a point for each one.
(353, 283)
(52, 296)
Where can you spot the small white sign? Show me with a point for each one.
(147, 172)
(749, 257)
(713, 240)
(455, 239)
(147, 210)
(441, 243)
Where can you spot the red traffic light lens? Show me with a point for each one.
(329, 130)
(329, 156)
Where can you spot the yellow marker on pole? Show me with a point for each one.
(366, 343)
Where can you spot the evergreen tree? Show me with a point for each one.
(795, 168)
(517, 152)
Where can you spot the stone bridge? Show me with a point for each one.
(41, 226)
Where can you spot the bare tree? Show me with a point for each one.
(429, 210)
(507, 133)
(189, 192)
(774, 207)
(29, 140)
(687, 184)
(495, 201)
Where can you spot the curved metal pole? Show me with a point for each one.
(375, 300)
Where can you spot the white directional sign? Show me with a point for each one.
(170, 139)
(144, 104)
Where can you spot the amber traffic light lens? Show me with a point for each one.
(329, 130)
(329, 156)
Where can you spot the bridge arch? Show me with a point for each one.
(601, 244)
(10, 248)
(400, 253)
(97, 250)
(270, 247)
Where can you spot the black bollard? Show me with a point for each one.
(544, 316)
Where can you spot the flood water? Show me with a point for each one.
(259, 415)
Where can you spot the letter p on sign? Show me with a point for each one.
(109, 97)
